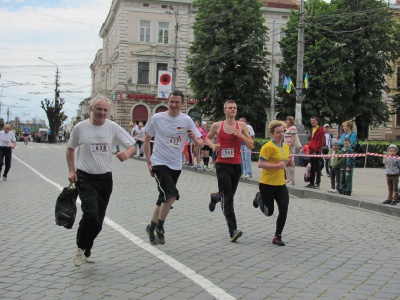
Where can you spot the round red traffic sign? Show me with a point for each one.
(165, 79)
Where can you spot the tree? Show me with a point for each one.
(55, 115)
(1, 123)
(350, 45)
(228, 58)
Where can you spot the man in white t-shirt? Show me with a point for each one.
(89, 159)
(247, 171)
(170, 130)
(7, 144)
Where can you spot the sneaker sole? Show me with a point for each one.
(278, 244)
(236, 236)
(161, 242)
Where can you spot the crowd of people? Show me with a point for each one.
(166, 143)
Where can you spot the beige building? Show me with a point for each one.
(139, 39)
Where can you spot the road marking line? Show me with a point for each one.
(198, 279)
(45, 147)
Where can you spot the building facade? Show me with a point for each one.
(141, 38)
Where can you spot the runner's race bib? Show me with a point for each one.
(100, 148)
(227, 152)
(173, 141)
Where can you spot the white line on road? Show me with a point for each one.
(206, 284)
(45, 147)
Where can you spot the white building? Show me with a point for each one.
(139, 40)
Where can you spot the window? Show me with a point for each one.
(397, 120)
(398, 78)
(163, 28)
(143, 72)
(146, 5)
(164, 6)
(161, 67)
(145, 31)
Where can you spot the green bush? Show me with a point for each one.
(379, 147)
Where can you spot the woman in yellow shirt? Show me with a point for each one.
(274, 157)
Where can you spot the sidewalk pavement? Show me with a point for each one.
(369, 188)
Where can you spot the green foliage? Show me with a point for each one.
(228, 58)
(55, 115)
(2, 123)
(349, 46)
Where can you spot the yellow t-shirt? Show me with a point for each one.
(273, 154)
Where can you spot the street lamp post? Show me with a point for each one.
(56, 94)
(56, 89)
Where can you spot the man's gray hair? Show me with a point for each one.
(93, 101)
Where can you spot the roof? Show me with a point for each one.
(288, 4)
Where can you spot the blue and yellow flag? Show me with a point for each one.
(289, 85)
(306, 82)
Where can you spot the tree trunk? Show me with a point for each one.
(362, 128)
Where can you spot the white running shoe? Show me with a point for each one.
(78, 257)
(89, 259)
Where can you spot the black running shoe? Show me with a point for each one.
(387, 201)
(277, 240)
(214, 199)
(235, 234)
(256, 200)
(151, 235)
(159, 235)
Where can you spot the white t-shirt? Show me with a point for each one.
(170, 134)
(94, 145)
(251, 130)
(6, 139)
(134, 130)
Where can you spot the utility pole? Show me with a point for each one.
(299, 80)
(273, 73)
(175, 66)
(56, 101)
(300, 58)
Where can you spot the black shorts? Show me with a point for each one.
(26, 134)
(166, 183)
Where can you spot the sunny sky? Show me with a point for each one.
(64, 32)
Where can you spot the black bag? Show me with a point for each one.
(65, 206)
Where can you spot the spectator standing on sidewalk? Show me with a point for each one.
(230, 134)
(170, 130)
(206, 151)
(327, 147)
(317, 141)
(89, 159)
(246, 152)
(334, 166)
(274, 157)
(392, 164)
(7, 144)
(346, 169)
(139, 139)
(60, 136)
(290, 139)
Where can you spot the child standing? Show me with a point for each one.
(346, 169)
(392, 164)
(334, 167)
